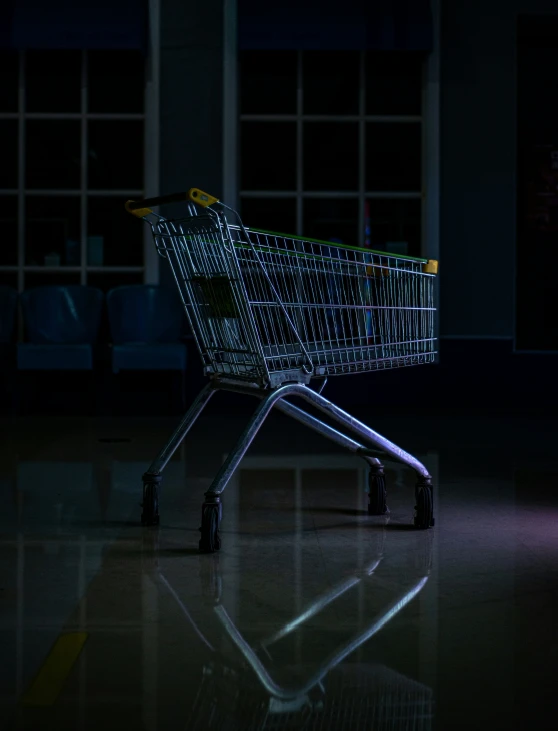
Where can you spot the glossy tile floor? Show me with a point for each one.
(313, 616)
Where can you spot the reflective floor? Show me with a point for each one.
(313, 616)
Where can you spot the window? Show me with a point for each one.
(331, 145)
(72, 126)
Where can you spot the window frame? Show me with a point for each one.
(150, 118)
(429, 132)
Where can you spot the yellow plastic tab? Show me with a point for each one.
(431, 267)
(203, 199)
(139, 212)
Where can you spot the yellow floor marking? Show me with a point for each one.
(50, 679)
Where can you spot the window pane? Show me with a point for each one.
(395, 226)
(114, 238)
(332, 219)
(393, 156)
(49, 279)
(116, 155)
(109, 280)
(115, 81)
(268, 82)
(268, 156)
(9, 75)
(394, 82)
(8, 164)
(270, 214)
(53, 154)
(53, 81)
(331, 156)
(331, 82)
(52, 231)
(8, 230)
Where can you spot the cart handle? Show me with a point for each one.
(195, 195)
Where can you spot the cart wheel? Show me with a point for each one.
(210, 540)
(424, 509)
(150, 505)
(377, 492)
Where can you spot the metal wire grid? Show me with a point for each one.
(353, 698)
(263, 304)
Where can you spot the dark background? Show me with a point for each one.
(497, 78)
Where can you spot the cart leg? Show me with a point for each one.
(212, 510)
(153, 477)
(376, 477)
(424, 508)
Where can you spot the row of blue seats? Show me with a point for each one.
(147, 327)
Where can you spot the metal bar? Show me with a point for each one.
(361, 150)
(381, 119)
(313, 423)
(377, 194)
(431, 151)
(83, 171)
(367, 434)
(71, 115)
(294, 389)
(162, 459)
(230, 114)
(21, 183)
(299, 146)
(43, 192)
(233, 460)
(268, 193)
(151, 136)
(130, 270)
(327, 431)
(51, 269)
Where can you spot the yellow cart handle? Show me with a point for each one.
(195, 195)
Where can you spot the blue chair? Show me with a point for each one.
(61, 325)
(8, 309)
(147, 326)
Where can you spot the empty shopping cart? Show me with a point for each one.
(273, 313)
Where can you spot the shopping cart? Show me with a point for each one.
(270, 313)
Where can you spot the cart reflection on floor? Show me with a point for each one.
(239, 688)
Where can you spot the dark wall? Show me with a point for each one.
(478, 164)
(191, 130)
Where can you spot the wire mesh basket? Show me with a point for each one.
(263, 304)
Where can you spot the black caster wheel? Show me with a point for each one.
(424, 509)
(377, 493)
(210, 540)
(150, 505)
